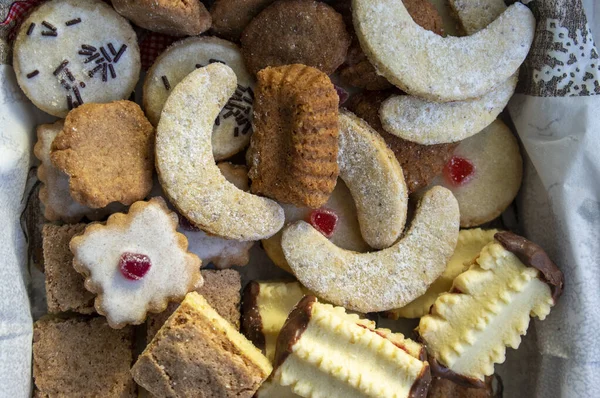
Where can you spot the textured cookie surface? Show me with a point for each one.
(187, 169)
(70, 52)
(82, 357)
(232, 128)
(293, 151)
(296, 32)
(107, 150)
(230, 17)
(198, 353)
(104, 255)
(174, 18)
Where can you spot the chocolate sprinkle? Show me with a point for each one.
(60, 67)
(105, 54)
(88, 47)
(73, 22)
(64, 83)
(228, 115)
(238, 92)
(166, 82)
(247, 128)
(198, 66)
(90, 59)
(212, 61)
(76, 104)
(236, 131)
(70, 102)
(240, 118)
(49, 26)
(53, 34)
(241, 108)
(93, 71)
(228, 107)
(104, 73)
(112, 49)
(120, 53)
(246, 100)
(69, 75)
(77, 95)
(30, 29)
(33, 74)
(99, 61)
(218, 121)
(251, 93)
(240, 87)
(113, 74)
(85, 52)
(82, 84)
(236, 98)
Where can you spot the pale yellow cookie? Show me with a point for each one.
(383, 280)
(187, 169)
(470, 242)
(437, 68)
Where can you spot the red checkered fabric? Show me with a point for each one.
(151, 44)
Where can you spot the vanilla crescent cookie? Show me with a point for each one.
(186, 166)
(70, 52)
(233, 126)
(470, 242)
(383, 280)
(374, 176)
(442, 68)
(136, 263)
(489, 307)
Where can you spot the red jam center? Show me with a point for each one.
(324, 221)
(459, 171)
(134, 266)
(186, 225)
(343, 94)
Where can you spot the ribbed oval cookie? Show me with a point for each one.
(428, 123)
(187, 169)
(233, 126)
(377, 281)
(68, 52)
(442, 68)
(374, 177)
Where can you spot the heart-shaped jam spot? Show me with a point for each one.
(324, 221)
(134, 266)
(458, 171)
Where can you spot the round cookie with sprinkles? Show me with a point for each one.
(233, 126)
(69, 52)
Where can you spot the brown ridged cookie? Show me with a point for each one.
(293, 151)
(420, 163)
(107, 150)
(296, 32)
(230, 17)
(175, 18)
(357, 70)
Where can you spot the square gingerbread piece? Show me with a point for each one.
(82, 357)
(64, 286)
(222, 291)
(197, 353)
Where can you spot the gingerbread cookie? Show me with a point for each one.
(296, 32)
(230, 17)
(136, 263)
(293, 151)
(69, 52)
(484, 174)
(420, 163)
(233, 126)
(442, 68)
(186, 166)
(174, 18)
(107, 150)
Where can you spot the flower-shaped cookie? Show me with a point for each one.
(136, 263)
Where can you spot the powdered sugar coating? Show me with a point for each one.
(187, 169)
(441, 68)
(374, 177)
(377, 281)
(148, 229)
(426, 122)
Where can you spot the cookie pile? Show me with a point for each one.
(244, 136)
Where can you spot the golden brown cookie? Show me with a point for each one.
(296, 32)
(293, 151)
(358, 71)
(420, 163)
(108, 152)
(444, 388)
(175, 18)
(230, 17)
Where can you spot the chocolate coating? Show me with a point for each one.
(293, 328)
(440, 370)
(534, 256)
(251, 320)
(421, 386)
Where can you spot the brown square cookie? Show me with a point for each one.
(222, 291)
(82, 357)
(64, 286)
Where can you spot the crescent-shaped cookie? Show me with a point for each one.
(187, 169)
(442, 68)
(377, 281)
(374, 177)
